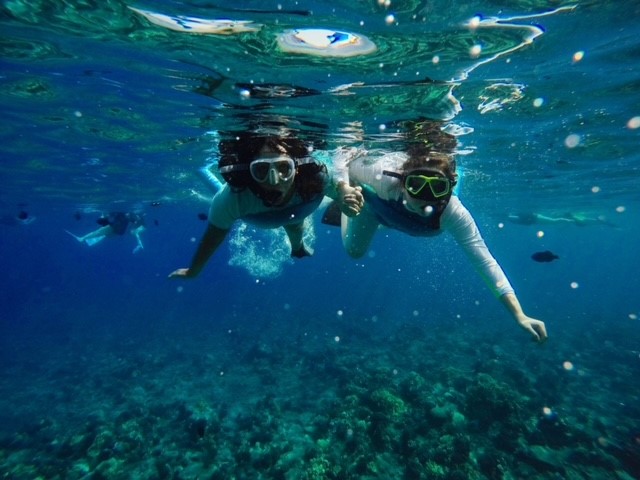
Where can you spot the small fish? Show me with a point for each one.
(546, 256)
(202, 216)
(22, 215)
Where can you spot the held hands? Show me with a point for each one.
(351, 199)
(535, 327)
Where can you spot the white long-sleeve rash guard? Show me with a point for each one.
(455, 219)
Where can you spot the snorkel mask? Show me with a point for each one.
(266, 170)
(429, 185)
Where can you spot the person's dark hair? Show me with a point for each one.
(246, 147)
(430, 147)
(432, 160)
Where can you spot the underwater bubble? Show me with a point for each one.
(633, 316)
(620, 209)
(336, 339)
(572, 140)
(475, 51)
(633, 123)
(435, 59)
(578, 56)
(245, 93)
(501, 225)
(339, 313)
(574, 285)
(538, 102)
(595, 189)
(539, 234)
(389, 19)
(546, 411)
(428, 210)
(568, 366)
(382, 127)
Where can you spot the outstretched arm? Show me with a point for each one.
(461, 224)
(210, 242)
(535, 327)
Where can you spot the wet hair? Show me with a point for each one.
(432, 160)
(245, 147)
(428, 146)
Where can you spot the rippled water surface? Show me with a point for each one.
(400, 365)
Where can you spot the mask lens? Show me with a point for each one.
(260, 170)
(285, 169)
(439, 186)
(415, 183)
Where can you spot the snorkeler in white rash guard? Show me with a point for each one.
(413, 192)
(271, 182)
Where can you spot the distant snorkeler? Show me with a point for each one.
(115, 224)
(412, 191)
(271, 182)
(21, 218)
(579, 219)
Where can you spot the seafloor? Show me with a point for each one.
(286, 399)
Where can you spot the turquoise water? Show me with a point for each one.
(398, 365)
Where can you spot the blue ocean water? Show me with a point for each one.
(398, 365)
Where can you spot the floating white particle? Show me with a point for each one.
(620, 208)
(501, 225)
(475, 51)
(435, 59)
(180, 289)
(539, 234)
(382, 127)
(336, 339)
(245, 93)
(574, 285)
(595, 189)
(474, 22)
(578, 56)
(633, 123)
(538, 102)
(633, 316)
(572, 140)
(389, 19)
(339, 313)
